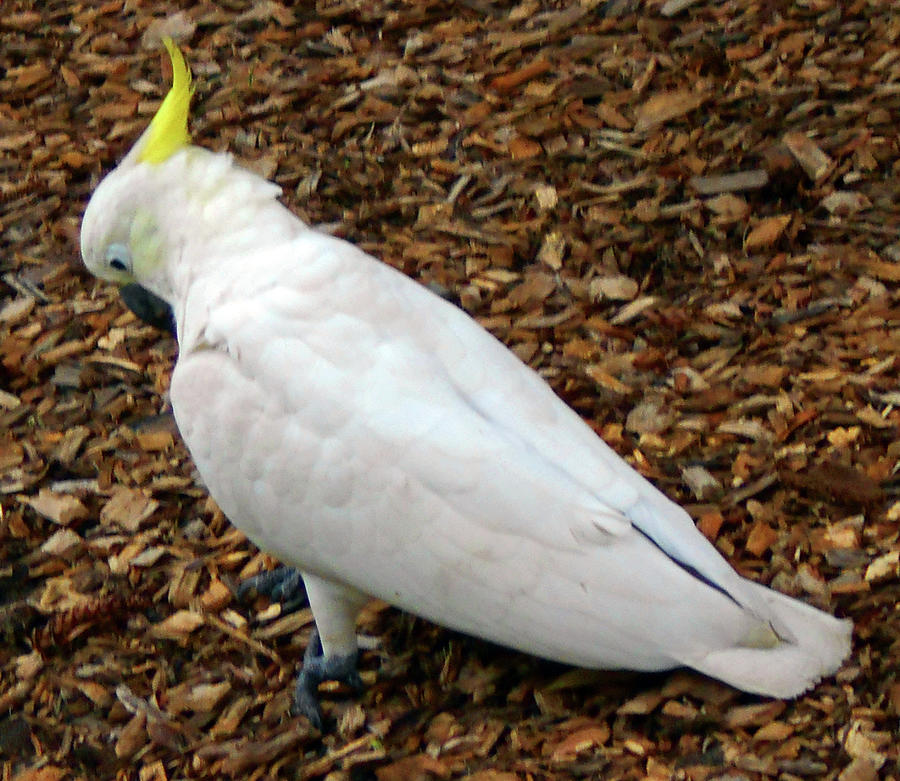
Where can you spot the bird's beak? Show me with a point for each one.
(148, 307)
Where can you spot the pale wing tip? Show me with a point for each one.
(787, 670)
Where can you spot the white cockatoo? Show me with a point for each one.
(376, 438)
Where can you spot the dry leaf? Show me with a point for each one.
(26, 76)
(844, 203)
(552, 249)
(524, 148)
(154, 441)
(702, 484)
(634, 310)
(128, 508)
(45, 773)
(641, 705)
(859, 769)
(811, 158)
(132, 737)
(61, 541)
(773, 731)
(766, 232)
(28, 665)
(710, 524)
(430, 148)
(758, 714)
(885, 566)
(199, 698)
(761, 537)
(648, 417)
(615, 288)
(178, 625)
(728, 208)
(155, 771)
(509, 81)
(580, 741)
(546, 197)
(419, 767)
(216, 597)
(665, 106)
(59, 508)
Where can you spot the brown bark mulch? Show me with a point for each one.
(684, 214)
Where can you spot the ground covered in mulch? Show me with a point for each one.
(684, 215)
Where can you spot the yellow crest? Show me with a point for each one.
(168, 129)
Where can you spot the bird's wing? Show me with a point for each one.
(517, 400)
(463, 415)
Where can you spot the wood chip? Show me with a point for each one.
(766, 232)
(812, 159)
(646, 214)
(178, 625)
(128, 508)
(703, 485)
(729, 183)
(579, 742)
(59, 508)
(666, 106)
(552, 249)
(614, 288)
(510, 81)
(60, 542)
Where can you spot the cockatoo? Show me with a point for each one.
(376, 438)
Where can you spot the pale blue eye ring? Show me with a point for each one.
(118, 257)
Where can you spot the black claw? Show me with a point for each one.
(306, 697)
(317, 668)
(282, 584)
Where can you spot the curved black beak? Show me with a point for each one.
(148, 307)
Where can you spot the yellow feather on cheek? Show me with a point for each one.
(145, 242)
(168, 130)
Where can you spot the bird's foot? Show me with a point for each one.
(282, 584)
(317, 668)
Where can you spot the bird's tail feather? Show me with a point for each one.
(814, 645)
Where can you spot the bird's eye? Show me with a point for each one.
(118, 257)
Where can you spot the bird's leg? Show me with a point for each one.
(282, 584)
(332, 651)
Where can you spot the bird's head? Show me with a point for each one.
(121, 238)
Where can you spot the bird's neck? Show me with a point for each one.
(217, 214)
